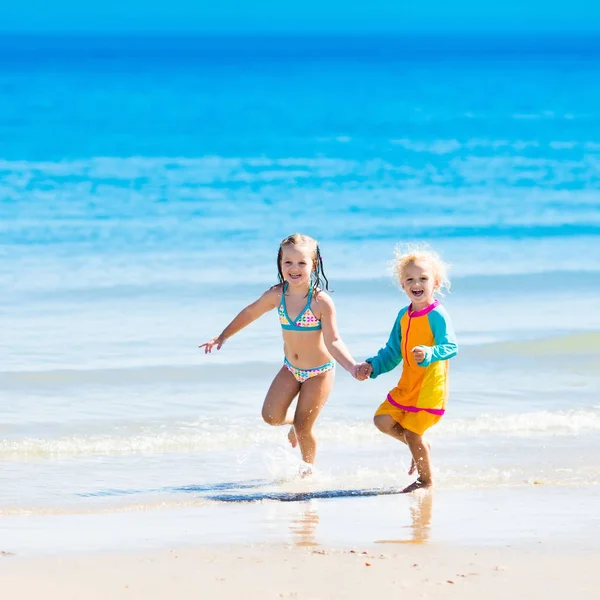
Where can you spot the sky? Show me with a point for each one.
(299, 15)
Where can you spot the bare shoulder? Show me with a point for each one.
(275, 289)
(323, 302)
(273, 294)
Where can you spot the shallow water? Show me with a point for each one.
(156, 216)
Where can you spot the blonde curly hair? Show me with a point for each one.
(409, 254)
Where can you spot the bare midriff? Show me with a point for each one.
(305, 349)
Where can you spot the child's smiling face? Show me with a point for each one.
(419, 282)
(297, 264)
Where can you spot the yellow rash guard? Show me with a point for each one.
(419, 399)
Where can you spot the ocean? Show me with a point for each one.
(145, 185)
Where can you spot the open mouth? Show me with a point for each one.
(417, 293)
(295, 276)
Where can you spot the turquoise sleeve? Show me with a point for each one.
(389, 357)
(443, 334)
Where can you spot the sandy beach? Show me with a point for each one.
(529, 542)
(266, 571)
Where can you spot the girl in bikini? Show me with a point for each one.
(422, 339)
(311, 341)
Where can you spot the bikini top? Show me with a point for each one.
(305, 321)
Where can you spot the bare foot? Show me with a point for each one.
(416, 485)
(413, 464)
(292, 437)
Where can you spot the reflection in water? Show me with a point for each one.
(421, 511)
(304, 526)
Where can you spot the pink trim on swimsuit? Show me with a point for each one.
(431, 411)
(423, 311)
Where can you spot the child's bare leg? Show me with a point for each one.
(387, 425)
(281, 394)
(420, 453)
(413, 464)
(292, 437)
(419, 449)
(313, 395)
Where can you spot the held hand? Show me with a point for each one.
(419, 353)
(362, 371)
(366, 370)
(208, 346)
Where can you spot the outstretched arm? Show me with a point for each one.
(266, 302)
(336, 346)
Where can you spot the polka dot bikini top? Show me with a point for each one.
(305, 321)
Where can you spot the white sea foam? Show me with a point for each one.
(213, 435)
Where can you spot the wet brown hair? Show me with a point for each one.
(299, 239)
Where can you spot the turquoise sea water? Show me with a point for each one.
(144, 187)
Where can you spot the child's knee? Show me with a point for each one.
(270, 418)
(383, 422)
